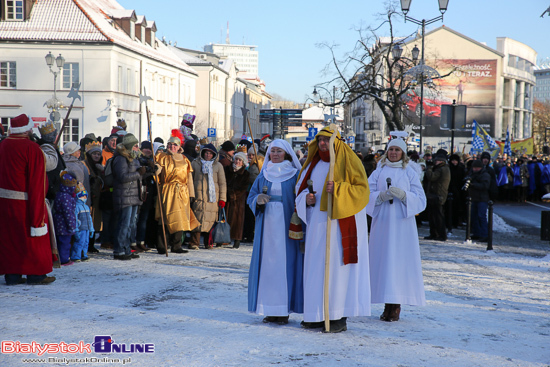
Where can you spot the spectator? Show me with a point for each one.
(126, 176)
(478, 183)
(237, 179)
(97, 176)
(72, 160)
(210, 193)
(438, 177)
(227, 151)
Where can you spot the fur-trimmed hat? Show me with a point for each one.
(21, 124)
(129, 141)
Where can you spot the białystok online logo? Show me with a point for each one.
(101, 344)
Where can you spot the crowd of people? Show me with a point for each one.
(332, 231)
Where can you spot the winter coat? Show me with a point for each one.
(77, 167)
(237, 184)
(64, 211)
(83, 216)
(176, 182)
(97, 176)
(206, 212)
(479, 186)
(438, 179)
(126, 179)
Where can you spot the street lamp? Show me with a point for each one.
(425, 72)
(332, 114)
(53, 103)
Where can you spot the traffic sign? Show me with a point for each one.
(211, 132)
(312, 131)
(351, 139)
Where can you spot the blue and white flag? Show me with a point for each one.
(481, 141)
(508, 144)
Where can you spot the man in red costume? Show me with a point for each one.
(25, 244)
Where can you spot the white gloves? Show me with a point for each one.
(398, 193)
(385, 195)
(262, 199)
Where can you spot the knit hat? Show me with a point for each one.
(454, 157)
(398, 142)
(242, 156)
(146, 145)
(21, 124)
(93, 146)
(485, 155)
(70, 148)
(67, 179)
(129, 140)
(477, 163)
(228, 146)
(48, 131)
(158, 140)
(440, 157)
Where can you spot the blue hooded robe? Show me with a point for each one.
(294, 258)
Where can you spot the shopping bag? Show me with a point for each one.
(221, 232)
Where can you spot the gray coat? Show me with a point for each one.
(126, 179)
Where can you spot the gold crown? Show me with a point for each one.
(241, 148)
(65, 181)
(204, 141)
(47, 128)
(91, 145)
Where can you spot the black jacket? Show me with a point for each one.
(126, 180)
(479, 185)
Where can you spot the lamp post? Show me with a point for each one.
(423, 71)
(332, 114)
(54, 104)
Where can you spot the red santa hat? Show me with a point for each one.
(20, 124)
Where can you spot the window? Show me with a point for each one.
(5, 123)
(7, 74)
(14, 10)
(70, 75)
(71, 131)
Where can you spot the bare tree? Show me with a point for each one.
(371, 71)
(541, 122)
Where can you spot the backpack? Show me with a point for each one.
(109, 178)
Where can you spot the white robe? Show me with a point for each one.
(395, 265)
(272, 289)
(349, 285)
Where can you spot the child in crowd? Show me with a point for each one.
(65, 217)
(84, 228)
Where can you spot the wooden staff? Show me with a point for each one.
(252, 136)
(144, 98)
(334, 128)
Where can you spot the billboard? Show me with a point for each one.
(469, 82)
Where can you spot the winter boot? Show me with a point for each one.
(337, 326)
(236, 244)
(386, 313)
(394, 313)
(91, 247)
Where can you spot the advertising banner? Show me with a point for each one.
(469, 82)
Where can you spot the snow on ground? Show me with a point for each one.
(482, 311)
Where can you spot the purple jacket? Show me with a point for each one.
(64, 217)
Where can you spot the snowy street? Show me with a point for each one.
(484, 309)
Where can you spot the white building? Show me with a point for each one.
(245, 56)
(113, 53)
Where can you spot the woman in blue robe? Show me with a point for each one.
(275, 282)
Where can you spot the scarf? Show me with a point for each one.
(279, 172)
(398, 164)
(209, 171)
